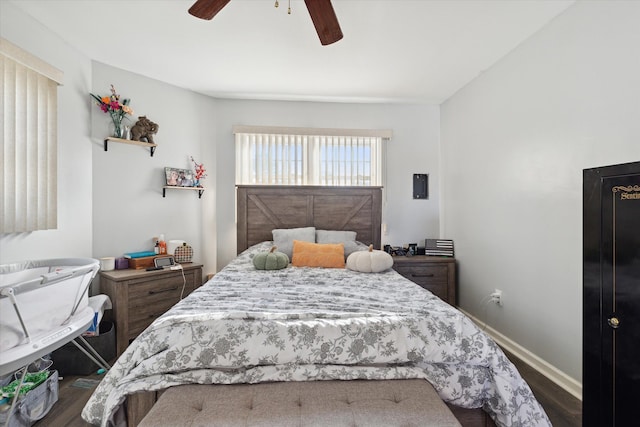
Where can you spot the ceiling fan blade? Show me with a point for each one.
(207, 9)
(325, 20)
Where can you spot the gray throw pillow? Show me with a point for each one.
(283, 238)
(347, 238)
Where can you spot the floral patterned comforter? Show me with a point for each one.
(301, 324)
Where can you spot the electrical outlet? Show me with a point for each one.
(496, 296)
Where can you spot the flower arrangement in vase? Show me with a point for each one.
(200, 172)
(116, 109)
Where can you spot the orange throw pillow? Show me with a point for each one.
(307, 254)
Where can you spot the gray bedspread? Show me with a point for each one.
(302, 324)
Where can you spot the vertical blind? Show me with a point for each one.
(298, 159)
(28, 143)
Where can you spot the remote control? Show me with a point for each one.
(154, 268)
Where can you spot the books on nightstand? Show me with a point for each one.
(438, 247)
(133, 255)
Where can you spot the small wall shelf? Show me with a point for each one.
(152, 147)
(171, 187)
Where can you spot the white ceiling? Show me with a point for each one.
(392, 50)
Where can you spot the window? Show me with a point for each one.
(297, 156)
(28, 129)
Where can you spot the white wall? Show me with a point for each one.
(72, 238)
(110, 202)
(515, 142)
(413, 149)
(128, 207)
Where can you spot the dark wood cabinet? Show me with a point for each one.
(611, 295)
(436, 274)
(140, 296)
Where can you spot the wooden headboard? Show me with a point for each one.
(261, 208)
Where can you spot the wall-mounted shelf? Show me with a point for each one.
(152, 147)
(200, 190)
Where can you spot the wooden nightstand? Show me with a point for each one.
(139, 296)
(436, 274)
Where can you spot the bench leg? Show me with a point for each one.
(138, 405)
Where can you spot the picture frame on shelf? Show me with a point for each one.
(176, 177)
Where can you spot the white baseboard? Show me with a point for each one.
(569, 384)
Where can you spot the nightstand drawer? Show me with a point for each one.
(149, 300)
(435, 274)
(424, 274)
(440, 290)
(139, 297)
(149, 293)
(142, 317)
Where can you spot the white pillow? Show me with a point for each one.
(283, 238)
(347, 238)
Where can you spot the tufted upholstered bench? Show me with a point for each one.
(318, 403)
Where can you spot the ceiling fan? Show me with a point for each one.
(322, 14)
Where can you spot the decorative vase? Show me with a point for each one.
(118, 130)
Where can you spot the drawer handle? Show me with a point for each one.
(164, 290)
(422, 275)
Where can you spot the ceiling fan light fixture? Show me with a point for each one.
(325, 20)
(288, 10)
(207, 9)
(321, 11)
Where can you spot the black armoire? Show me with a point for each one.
(611, 296)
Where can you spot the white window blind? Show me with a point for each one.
(309, 157)
(28, 142)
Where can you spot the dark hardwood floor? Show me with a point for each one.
(563, 409)
(71, 400)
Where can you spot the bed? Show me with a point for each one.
(248, 326)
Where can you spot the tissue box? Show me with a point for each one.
(122, 263)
